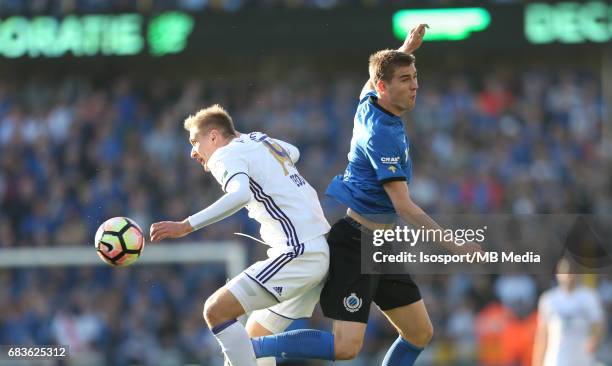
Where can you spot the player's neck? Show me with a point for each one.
(228, 139)
(389, 107)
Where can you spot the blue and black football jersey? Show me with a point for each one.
(379, 153)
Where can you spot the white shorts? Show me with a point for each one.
(288, 283)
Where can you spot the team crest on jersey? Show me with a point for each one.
(352, 303)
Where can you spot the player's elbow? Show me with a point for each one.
(242, 197)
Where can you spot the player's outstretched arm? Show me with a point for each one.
(408, 210)
(399, 194)
(237, 196)
(413, 41)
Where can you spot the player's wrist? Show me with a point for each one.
(405, 49)
(186, 226)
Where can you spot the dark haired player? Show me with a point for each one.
(373, 187)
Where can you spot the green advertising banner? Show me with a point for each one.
(324, 32)
(568, 22)
(453, 24)
(94, 35)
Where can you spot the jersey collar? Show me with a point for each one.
(374, 101)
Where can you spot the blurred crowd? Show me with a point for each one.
(527, 143)
(74, 152)
(60, 7)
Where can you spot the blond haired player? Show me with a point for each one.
(257, 172)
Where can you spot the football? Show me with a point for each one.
(119, 241)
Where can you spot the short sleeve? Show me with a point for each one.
(384, 154)
(227, 167)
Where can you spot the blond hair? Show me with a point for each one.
(213, 117)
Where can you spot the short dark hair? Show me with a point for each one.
(209, 118)
(383, 64)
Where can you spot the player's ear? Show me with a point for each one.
(380, 85)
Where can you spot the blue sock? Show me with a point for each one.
(401, 353)
(301, 343)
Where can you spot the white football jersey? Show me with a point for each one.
(569, 317)
(285, 205)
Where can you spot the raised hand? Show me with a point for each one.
(414, 38)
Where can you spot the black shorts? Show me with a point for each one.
(348, 293)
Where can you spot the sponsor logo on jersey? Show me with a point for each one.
(352, 303)
(392, 168)
(278, 290)
(391, 160)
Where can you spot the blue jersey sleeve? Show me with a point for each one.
(384, 155)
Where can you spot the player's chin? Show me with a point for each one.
(409, 106)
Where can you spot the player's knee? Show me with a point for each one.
(347, 348)
(211, 311)
(419, 337)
